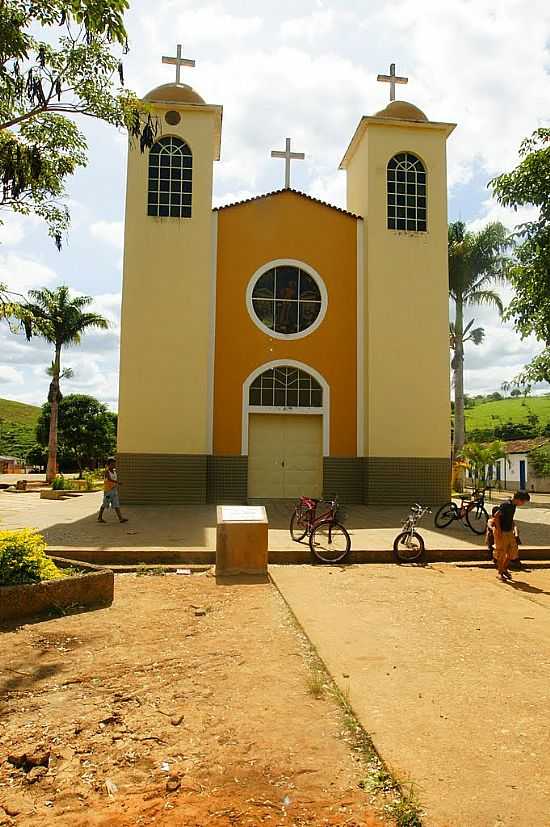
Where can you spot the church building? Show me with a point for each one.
(283, 346)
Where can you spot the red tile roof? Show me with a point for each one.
(296, 192)
(523, 446)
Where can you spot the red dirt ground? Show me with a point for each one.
(189, 700)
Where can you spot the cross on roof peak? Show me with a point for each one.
(288, 156)
(178, 61)
(392, 79)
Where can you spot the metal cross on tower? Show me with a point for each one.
(392, 79)
(178, 62)
(288, 156)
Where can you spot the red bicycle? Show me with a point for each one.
(329, 541)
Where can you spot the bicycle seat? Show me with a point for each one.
(310, 501)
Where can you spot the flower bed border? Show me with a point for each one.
(91, 590)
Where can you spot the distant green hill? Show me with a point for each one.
(18, 412)
(17, 425)
(518, 410)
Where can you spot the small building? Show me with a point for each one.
(10, 465)
(513, 471)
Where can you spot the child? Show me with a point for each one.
(490, 535)
(505, 531)
(110, 489)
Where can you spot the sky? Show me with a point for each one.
(305, 69)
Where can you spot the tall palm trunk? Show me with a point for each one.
(53, 399)
(459, 434)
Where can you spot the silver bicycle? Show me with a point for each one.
(408, 546)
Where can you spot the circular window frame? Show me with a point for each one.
(281, 262)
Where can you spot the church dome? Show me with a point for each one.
(173, 93)
(403, 111)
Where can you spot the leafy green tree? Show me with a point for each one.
(60, 320)
(476, 262)
(539, 459)
(59, 59)
(480, 457)
(516, 430)
(37, 455)
(86, 430)
(529, 185)
(515, 392)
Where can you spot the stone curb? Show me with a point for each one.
(300, 554)
(91, 590)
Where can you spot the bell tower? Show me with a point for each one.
(397, 181)
(168, 298)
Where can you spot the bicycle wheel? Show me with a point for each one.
(446, 514)
(298, 526)
(329, 542)
(477, 519)
(407, 547)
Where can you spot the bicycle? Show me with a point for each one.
(471, 511)
(329, 541)
(408, 546)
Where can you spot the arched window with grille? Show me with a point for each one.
(170, 179)
(285, 387)
(407, 193)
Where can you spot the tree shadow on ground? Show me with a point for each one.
(23, 676)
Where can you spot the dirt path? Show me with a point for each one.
(448, 669)
(185, 703)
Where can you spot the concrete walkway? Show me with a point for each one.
(449, 671)
(188, 532)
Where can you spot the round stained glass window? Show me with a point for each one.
(287, 300)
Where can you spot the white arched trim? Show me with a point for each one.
(323, 411)
(292, 262)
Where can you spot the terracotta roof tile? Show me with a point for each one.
(523, 446)
(296, 192)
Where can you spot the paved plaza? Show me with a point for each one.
(72, 523)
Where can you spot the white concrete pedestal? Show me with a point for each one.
(241, 540)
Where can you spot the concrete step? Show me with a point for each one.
(299, 553)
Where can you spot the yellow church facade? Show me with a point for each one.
(283, 346)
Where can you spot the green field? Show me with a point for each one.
(491, 414)
(18, 413)
(17, 426)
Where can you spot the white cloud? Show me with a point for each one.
(320, 22)
(111, 232)
(22, 273)
(12, 227)
(11, 375)
(491, 210)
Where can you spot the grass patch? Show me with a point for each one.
(489, 414)
(18, 413)
(143, 570)
(316, 683)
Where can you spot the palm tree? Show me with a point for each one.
(476, 262)
(60, 320)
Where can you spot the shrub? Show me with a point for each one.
(539, 459)
(94, 480)
(23, 558)
(58, 483)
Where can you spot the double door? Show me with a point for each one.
(285, 456)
